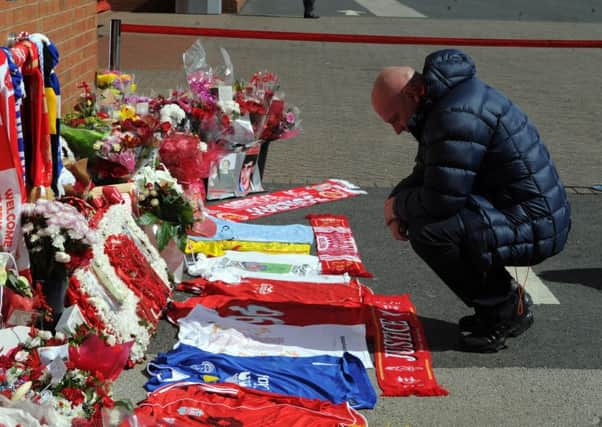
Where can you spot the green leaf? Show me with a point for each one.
(125, 403)
(181, 240)
(187, 215)
(164, 234)
(147, 218)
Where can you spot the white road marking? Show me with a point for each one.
(350, 12)
(536, 288)
(389, 8)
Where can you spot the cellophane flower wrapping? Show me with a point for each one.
(189, 160)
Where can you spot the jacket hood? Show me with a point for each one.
(445, 69)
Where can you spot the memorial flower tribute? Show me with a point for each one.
(63, 380)
(58, 238)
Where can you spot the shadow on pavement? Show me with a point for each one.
(440, 335)
(591, 277)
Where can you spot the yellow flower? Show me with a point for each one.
(105, 80)
(127, 112)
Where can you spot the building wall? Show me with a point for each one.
(70, 24)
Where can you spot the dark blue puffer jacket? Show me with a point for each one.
(480, 158)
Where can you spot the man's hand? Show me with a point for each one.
(397, 227)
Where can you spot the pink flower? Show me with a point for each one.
(127, 160)
(290, 117)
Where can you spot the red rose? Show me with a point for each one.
(74, 395)
(107, 402)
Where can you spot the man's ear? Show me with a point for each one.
(415, 91)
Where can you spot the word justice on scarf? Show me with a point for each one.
(284, 200)
(402, 358)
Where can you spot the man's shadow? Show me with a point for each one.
(440, 335)
(591, 277)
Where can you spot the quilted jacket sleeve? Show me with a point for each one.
(452, 158)
(415, 179)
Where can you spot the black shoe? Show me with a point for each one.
(311, 15)
(492, 338)
(474, 322)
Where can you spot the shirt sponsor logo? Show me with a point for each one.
(186, 410)
(205, 367)
(265, 289)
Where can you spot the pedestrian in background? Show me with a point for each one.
(484, 193)
(308, 9)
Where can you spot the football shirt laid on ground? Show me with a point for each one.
(336, 379)
(205, 329)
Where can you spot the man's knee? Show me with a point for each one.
(436, 233)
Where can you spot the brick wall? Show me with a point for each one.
(70, 24)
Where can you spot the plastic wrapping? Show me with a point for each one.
(197, 66)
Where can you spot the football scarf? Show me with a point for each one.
(285, 200)
(336, 246)
(402, 358)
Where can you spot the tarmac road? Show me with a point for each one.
(550, 376)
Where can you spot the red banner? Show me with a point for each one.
(12, 188)
(283, 201)
(336, 246)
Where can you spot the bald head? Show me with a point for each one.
(390, 99)
(391, 80)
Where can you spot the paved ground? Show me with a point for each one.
(507, 10)
(551, 376)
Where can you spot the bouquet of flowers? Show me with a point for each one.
(161, 202)
(188, 160)
(113, 86)
(85, 114)
(16, 294)
(57, 236)
(72, 392)
(85, 125)
(115, 80)
(272, 117)
(11, 279)
(131, 144)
